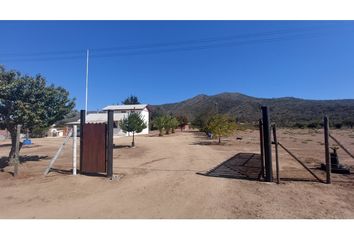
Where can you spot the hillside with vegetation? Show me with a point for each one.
(287, 111)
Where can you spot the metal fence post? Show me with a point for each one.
(327, 156)
(261, 146)
(276, 152)
(110, 144)
(82, 123)
(267, 144)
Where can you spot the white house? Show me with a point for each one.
(120, 112)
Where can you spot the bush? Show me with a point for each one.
(38, 132)
(299, 125)
(313, 125)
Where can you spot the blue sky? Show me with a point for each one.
(170, 61)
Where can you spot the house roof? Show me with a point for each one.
(125, 107)
(99, 118)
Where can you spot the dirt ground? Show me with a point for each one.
(158, 179)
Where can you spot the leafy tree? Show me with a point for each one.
(70, 117)
(349, 123)
(28, 101)
(173, 124)
(299, 125)
(199, 122)
(220, 126)
(313, 125)
(131, 100)
(39, 132)
(159, 122)
(168, 124)
(182, 121)
(133, 123)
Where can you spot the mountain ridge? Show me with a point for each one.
(286, 111)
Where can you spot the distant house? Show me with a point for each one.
(4, 134)
(120, 112)
(55, 132)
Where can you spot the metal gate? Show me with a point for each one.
(94, 148)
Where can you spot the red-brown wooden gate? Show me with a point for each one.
(94, 148)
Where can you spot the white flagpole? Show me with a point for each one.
(87, 66)
(74, 149)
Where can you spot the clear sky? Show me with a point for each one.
(170, 61)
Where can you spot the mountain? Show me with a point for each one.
(286, 111)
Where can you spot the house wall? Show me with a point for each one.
(144, 113)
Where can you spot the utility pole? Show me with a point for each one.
(87, 70)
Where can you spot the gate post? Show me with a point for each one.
(82, 123)
(327, 154)
(17, 149)
(109, 145)
(261, 146)
(276, 153)
(267, 145)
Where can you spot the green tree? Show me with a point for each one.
(133, 123)
(221, 126)
(168, 124)
(30, 102)
(349, 123)
(70, 117)
(173, 124)
(201, 121)
(182, 121)
(131, 100)
(159, 122)
(198, 122)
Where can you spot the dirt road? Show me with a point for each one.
(158, 179)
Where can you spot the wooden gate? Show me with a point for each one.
(93, 148)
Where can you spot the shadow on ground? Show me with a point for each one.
(212, 142)
(240, 166)
(5, 145)
(204, 140)
(4, 161)
(121, 146)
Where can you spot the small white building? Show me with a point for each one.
(120, 112)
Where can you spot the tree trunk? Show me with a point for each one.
(219, 140)
(133, 143)
(13, 143)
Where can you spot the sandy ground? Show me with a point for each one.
(158, 179)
